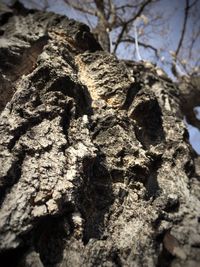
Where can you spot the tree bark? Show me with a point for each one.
(190, 98)
(96, 168)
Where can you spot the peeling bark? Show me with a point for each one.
(96, 169)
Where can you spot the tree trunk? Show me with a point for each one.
(96, 169)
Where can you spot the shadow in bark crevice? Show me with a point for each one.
(77, 91)
(164, 259)
(6, 91)
(96, 198)
(15, 65)
(12, 176)
(152, 186)
(49, 238)
(12, 257)
(148, 128)
(132, 91)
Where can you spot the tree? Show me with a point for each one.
(152, 19)
(118, 22)
(96, 168)
(128, 30)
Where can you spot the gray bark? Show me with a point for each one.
(190, 98)
(96, 169)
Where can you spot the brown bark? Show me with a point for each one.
(96, 169)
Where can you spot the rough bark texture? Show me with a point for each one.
(96, 169)
(190, 98)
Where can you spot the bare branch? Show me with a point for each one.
(193, 4)
(125, 24)
(183, 29)
(145, 45)
(126, 6)
(193, 41)
(112, 14)
(103, 27)
(80, 8)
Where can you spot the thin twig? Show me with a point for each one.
(126, 23)
(80, 8)
(145, 45)
(183, 29)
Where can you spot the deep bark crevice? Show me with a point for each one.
(12, 257)
(152, 185)
(98, 198)
(149, 129)
(12, 177)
